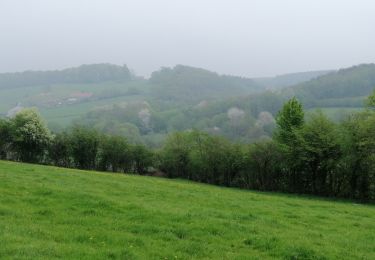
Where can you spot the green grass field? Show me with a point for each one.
(48, 212)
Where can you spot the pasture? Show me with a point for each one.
(48, 212)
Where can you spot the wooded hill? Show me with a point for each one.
(83, 74)
(343, 88)
(111, 99)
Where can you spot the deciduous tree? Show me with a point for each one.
(30, 136)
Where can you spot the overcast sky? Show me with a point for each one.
(247, 38)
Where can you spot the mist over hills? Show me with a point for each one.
(185, 76)
(185, 83)
(259, 115)
(83, 74)
(343, 88)
(112, 99)
(290, 79)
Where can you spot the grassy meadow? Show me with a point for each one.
(49, 212)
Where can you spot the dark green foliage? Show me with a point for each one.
(289, 120)
(208, 162)
(320, 151)
(115, 154)
(198, 156)
(262, 169)
(142, 159)
(359, 155)
(30, 136)
(84, 147)
(175, 156)
(5, 137)
(60, 149)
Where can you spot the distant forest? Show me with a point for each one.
(82, 74)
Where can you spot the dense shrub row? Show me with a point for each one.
(313, 156)
(26, 138)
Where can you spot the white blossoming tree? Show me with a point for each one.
(30, 135)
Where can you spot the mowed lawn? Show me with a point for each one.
(48, 212)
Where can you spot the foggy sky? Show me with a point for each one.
(247, 38)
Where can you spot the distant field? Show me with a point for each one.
(63, 114)
(48, 212)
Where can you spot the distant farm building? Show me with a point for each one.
(78, 96)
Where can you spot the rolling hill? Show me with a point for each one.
(49, 212)
(92, 73)
(65, 95)
(109, 97)
(290, 79)
(344, 88)
(188, 84)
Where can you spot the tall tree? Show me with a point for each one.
(30, 135)
(289, 121)
(359, 147)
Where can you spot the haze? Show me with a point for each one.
(247, 38)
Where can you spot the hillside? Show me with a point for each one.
(290, 79)
(83, 74)
(111, 99)
(63, 95)
(48, 212)
(343, 88)
(188, 84)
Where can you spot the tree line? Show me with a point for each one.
(94, 73)
(311, 155)
(26, 138)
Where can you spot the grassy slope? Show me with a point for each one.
(47, 212)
